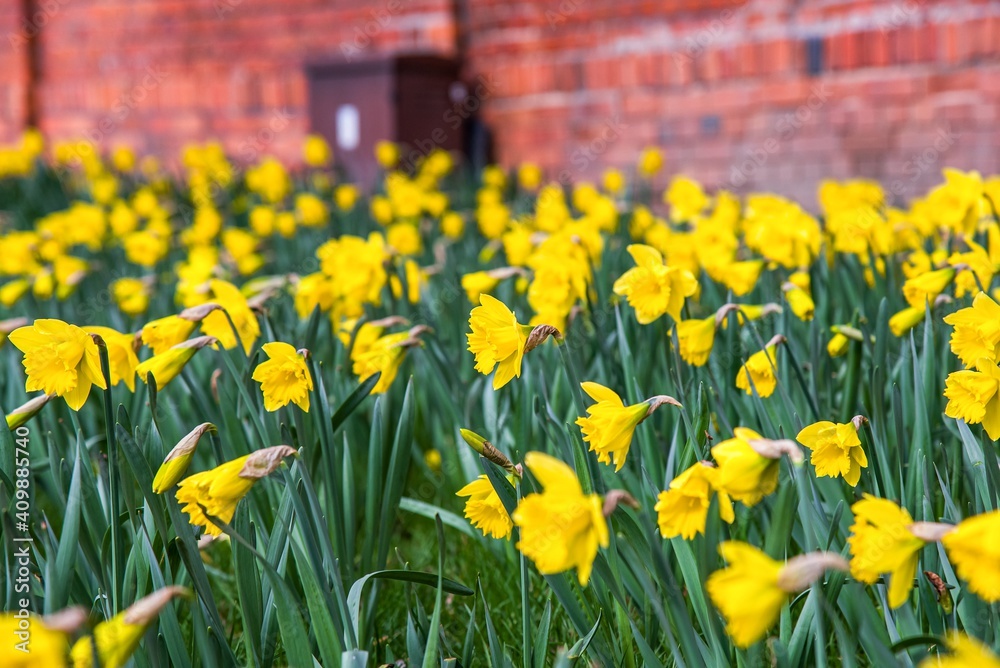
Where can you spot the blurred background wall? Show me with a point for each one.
(742, 94)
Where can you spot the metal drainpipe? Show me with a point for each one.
(460, 17)
(32, 32)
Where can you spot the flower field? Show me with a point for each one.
(267, 417)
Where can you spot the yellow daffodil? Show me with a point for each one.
(682, 510)
(529, 176)
(316, 151)
(346, 196)
(232, 301)
(836, 449)
(650, 162)
(404, 238)
(686, 198)
(477, 283)
(9, 325)
(219, 490)
(963, 652)
(116, 639)
(386, 154)
(609, 424)
(561, 527)
(165, 333)
(131, 295)
(652, 288)
(749, 464)
(384, 355)
(903, 321)
(177, 460)
(752, 589)
(284, 377)
(60, 359)
(800, 300)
(613, 181)
(976, 333)
(452, 225)
(758, 373)
(31, 641)
(12, 291)
(838, 344)
(884, 540)
(121, 354)
(740, 277)
(497, 340)
(974, 396)
(926, 287)
(973, 551)
(484, 509)
(696, 338)
(416, 278)
(168, 364)
(433, 460)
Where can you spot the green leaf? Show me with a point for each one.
(429, 579)
(429, 511)
(581, 645)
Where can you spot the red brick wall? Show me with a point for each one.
(157, 73)
(906, 87)
(16, 36)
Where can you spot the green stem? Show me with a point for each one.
(525, 604)
(113, 491)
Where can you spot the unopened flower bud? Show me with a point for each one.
(177, 460)
(487, 450)
(20, 415)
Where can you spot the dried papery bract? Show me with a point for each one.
(801, 571)
(67, 620)
(774, 449)
(660, 400)
(615, 498)
(930, 532)
(9, 325)
(146, 609)
(199, 312)
(539, 334)
(263, 462)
